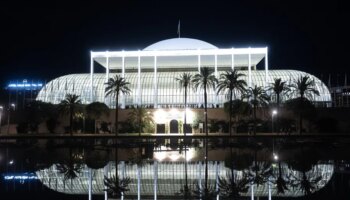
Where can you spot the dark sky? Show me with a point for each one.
(46, 40)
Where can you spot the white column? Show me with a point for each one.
(200, 174)
(91, 77)
(269, 189)
(249, 70)
(138, 182)
(252, 191)
(266, 67)
(216, 75)
(232, 60)
(123, 176)
(90, 184)
(107, 76)
(139, 79)
(217, 179)
(199, 63)
(105, 173)
(199, 70)
(155, 165)
(123, 75)
(155, 87)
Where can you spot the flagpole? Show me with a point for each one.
(178, 29)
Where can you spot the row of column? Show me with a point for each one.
(138, 93)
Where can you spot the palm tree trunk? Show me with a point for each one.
(300, 114)
(206, 134)
(71, 110)
(116, 114)
(205, 111)
(277, 118)
(254, 113)
(185, 142)
(116, 161)
(230, 122)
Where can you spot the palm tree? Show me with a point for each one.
(279, 87)
(70, 106)
(231, 81)
(140, 118)
(115, 186)
(205, 79)
(72, 167)
(185, 81)
(116, 86)
(258, 97)
(95, 110)
(233, 187)
(304, 87)
(281, 182)
(306, 183)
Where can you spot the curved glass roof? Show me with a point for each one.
(171, 178)
(169, 93)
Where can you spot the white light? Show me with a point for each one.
(274, 112)
(275, 156)
(190, 154)
(11, 162)
(189, 116)
(160, 116)
(13, 105)
(159, 155)
(174, 113)
(174, 157)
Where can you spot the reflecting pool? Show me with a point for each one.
(176, 168)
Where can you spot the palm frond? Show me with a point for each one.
(116, 187)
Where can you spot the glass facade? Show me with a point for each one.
(167, 92)
(170, 177)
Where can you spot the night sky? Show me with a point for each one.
(46, 40)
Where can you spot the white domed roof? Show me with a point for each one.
(180, 44)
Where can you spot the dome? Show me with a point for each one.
(180, 44)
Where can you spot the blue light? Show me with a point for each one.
(21, 177)
(24, 85)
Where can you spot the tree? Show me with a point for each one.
(141, 119)
(115, 186)
(185, 81)
(114, 87)
(233, 187)
(239, 108)
(231, 81)
(258, 97)
(305, 88)
(70, 106)
(95, 110)
(281, 182)
(72, 167)
(279, 87)
(204, 80)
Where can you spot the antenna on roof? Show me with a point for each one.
(178, 29)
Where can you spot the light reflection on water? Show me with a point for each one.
(159, 168)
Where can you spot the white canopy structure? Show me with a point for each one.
(152, 72)
(175, 55)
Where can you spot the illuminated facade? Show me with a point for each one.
(167, 178)
(152, 72)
